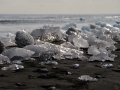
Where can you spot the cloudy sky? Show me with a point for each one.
(59, 6)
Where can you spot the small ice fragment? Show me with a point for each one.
(49, 63)
(13, 67)
(74, 65)
(87, 78)
(107, 65)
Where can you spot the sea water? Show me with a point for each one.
(14, 22)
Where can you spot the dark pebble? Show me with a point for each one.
(47, 86)
(55, 68)
(98, 76)
(116, 70)
(42, 76)
(2, 75)
(48, 76)
(31, 76)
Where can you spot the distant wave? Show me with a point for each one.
(42, 20)
(18, 21)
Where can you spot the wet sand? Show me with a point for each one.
(62, 77)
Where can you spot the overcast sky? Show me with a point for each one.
(59, 6)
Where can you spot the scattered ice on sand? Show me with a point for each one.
(87, 78)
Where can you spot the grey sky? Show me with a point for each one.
(59, 6)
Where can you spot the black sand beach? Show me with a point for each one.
(62, 77)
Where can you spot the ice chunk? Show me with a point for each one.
(103, 56)
(70, 38)
(23, 38)
(4, 59)
(18, 53)
(80, 42)
(37, 48)
(93, 50)
(13, 67)
(60, 50)
(87, 78)
(48, 34)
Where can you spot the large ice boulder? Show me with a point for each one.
(48, 34)
(23, 38)
(18, 53)
(2, 47)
